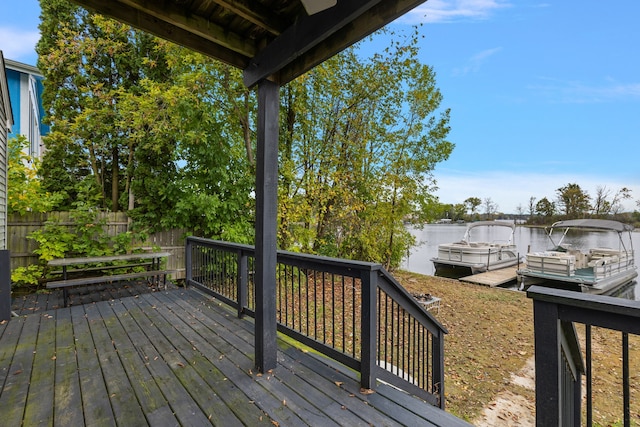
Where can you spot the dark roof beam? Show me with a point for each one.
(176, 16)
(156, 26)
(303, 35)
(370, 21)
(253, 12)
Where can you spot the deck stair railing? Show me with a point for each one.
(560, 363)
(354, 312)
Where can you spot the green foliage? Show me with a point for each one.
(142, 125)
(26, 276)
(472, 204)
(24, 192)
(545, 207)
(87, 236)
(359, 141)
(54, 241)
(89, 62)
(573, 201)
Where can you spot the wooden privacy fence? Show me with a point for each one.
(21, 248)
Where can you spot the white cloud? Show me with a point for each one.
(476, 61)
(510, 189)
(17, 44)
(434, 11)
(575, 92)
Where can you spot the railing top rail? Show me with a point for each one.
(602, 303)
(284, 256)
(229, 245)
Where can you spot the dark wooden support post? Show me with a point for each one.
(369, 326)
(266, 215)
(5, 285)
(243, 282)
(547, 352)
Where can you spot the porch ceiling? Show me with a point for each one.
(274, 39)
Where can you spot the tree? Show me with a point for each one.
(360, 139)
(211, 110)
(490, 208)
(545, 208)
(472, 204)
(89, 63)
(532, 206)
(145, 126)
(616, 203)
(573, 201)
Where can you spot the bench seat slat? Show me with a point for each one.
(111, 258)
(103, 279)
(104, 268)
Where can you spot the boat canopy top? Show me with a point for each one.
(491, 223)
(599, 224)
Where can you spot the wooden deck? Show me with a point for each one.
(176, 357)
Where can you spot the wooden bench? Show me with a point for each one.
(149, 260)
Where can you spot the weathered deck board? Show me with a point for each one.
(176, 358)
(92, 384)
(40, 389)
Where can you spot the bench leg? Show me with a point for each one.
(65, 296)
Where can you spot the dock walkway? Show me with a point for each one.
(177, 357)
(492, 278)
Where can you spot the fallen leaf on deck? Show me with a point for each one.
(338, 383)
(366, 391)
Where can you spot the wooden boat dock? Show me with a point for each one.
(493, 278)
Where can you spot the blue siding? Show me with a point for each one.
(13, 84)
(44, 129)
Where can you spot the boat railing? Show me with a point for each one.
(561, 363)
(354, 312)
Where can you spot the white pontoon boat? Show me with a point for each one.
(598, 270)
(476, 256)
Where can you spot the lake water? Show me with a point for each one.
(526, 238)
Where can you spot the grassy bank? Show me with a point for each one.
(491, 337)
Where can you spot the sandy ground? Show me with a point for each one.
(509, 409)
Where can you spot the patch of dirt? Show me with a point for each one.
(510, 409)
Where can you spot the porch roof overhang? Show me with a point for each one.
(276, 40)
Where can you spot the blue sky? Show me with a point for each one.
(542, 94)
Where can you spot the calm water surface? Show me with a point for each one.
(526, 238)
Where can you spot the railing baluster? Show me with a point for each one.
(625, 380)
(243, 282)
(589, 392)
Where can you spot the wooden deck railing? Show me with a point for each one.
(354, 312)
(559, 360)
